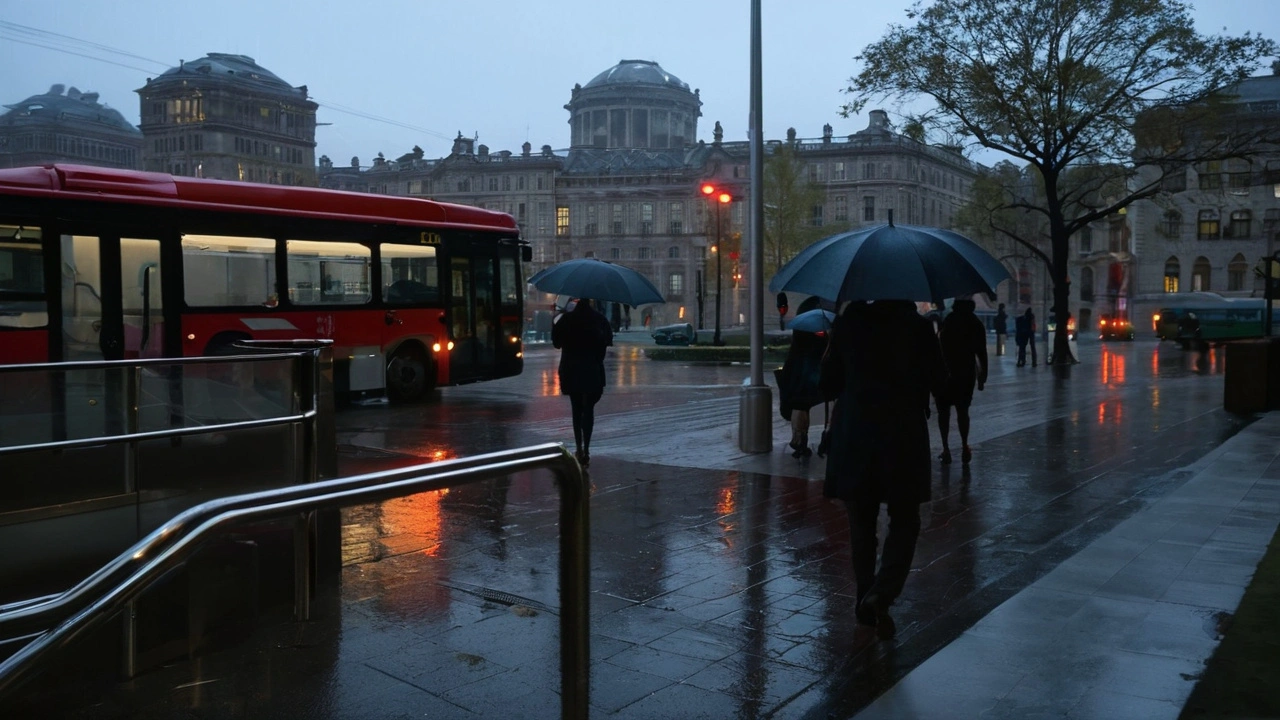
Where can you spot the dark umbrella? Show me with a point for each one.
(892, 262)
(813, 321)
(598, 280)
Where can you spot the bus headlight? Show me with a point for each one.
(435, 348)
(450, 345)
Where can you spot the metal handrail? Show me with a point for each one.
(110, 589)
(160, 434)
(144, 362)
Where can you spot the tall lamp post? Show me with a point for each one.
(721, 198)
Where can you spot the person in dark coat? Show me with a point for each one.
(1001, 327)
(883, 363)
(1022, 335)
(798, 386)
(964, 348)
(582, 334)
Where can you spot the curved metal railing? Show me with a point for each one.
(61, 619)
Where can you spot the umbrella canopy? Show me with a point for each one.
(598, 280)
(892, 262)
(813, 321)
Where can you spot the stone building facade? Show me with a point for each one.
(67, 126)
(1206, 231)
(226, 117)
(627, 188)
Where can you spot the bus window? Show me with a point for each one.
(322, 273)
(409, 274)
(81, 298)
(22, 303)
(142, 305)
(222, 270)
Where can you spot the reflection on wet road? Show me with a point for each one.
(738, 583)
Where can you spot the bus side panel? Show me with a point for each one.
(420, 325)
(24, 346)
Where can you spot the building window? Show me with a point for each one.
(868, 209)
(1207, 228)
(562, 221)
(1086, 284)
(841, 208)
(1211, 175)
(673, 252)
(677, 218)
(506, 182)
(493, 184)
(615, 253)
(646, 218)
(1171, 225)
(837, 171)
(520, 212)
(520, 182)
(1238, 177)
(544, 218)
(675, 283)
(592, 227)
(817, 173)
(869, 171)
(1200, 275)
(617, 218)
(1171, 272)
(815, 218)
(1239, 225)
(1116, 236)
(1174, 180)
(1086, 241)
(644, 253)
(1237, 270)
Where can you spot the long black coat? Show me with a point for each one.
(887, 362)
(582, 336)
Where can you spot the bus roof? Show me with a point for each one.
(96, 184)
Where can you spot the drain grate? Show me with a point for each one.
(498, 596)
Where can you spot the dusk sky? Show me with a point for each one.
(497, 68)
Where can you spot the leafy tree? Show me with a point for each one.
(1076, 90)
(789, 200)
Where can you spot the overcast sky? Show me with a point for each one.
(502, 69)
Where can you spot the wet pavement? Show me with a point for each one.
(1077, 568)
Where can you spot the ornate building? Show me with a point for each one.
(224, 116)
(627, 189)
(1206, 231)
(70, 127)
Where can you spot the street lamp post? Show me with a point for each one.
(720, 198)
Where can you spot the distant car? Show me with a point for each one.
(1110, 328)
(678, 334)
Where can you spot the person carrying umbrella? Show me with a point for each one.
(883, 363)
(582, 335)
(964, 347)
(798, 386)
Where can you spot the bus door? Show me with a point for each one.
(111, 300)
(473, 321)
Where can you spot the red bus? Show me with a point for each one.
(103, 264)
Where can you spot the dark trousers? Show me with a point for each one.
(1000, 343)
(583, 407)
(899, 547)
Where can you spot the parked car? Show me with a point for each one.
(678, 334)
(1114, 328)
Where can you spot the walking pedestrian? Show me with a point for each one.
(964, 348)
(1031, 334)
(582, 334)
(883, 363)
(1022, 335)
(798, 386)
(1002, 328)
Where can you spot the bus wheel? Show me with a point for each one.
(221, 344)
(407, 376)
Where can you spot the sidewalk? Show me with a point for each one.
(721, 588)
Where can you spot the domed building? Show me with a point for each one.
(627, 189)
(67, 126)
(226, 117)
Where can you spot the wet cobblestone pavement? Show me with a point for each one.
(721, 583)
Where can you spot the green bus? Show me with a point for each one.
(1232, 319)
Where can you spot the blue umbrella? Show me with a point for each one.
(813, 321)
(599, 280)
(892, 262)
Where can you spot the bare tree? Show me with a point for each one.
(1076, 89)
